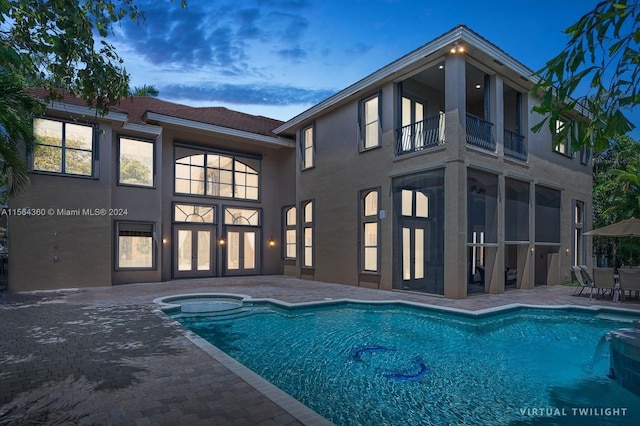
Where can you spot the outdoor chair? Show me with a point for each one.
(629, 281)
(582, 284)
(603, 281)
(586, 276)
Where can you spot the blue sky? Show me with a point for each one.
(279, 57)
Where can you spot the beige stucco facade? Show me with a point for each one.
(442, 83)
(71, 237)
(424, 176)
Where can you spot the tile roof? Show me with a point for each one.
(137, 106)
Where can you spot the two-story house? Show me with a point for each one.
(149, 192)
(423, 176)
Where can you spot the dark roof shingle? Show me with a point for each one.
(137, 106)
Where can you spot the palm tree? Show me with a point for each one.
(17, 109)
(145, 90)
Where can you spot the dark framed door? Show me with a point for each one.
(242, 254)
(194, 251)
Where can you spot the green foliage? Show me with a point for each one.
(145, 90)
(134, 172)
(17, 108)
(616, 192)
(603, 54)
(52, 44)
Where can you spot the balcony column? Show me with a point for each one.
(455, 174)
(455, 105)
(496, 111)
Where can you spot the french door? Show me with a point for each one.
(194, 251)
(414, 246)
(242, 251)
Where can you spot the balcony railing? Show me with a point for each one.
(479, 133)
(421, 135)
(514, 145)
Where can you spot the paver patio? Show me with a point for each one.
(107, 356)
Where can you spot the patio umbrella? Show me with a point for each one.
(624, 228)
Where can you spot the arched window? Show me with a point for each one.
(216, 175)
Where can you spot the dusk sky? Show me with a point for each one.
(279, 57)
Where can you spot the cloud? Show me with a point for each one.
(245, 94)
(295, 54)
(358, 49)
(214, 35)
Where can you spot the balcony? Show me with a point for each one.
(479, 133)
(514, 145)
(418, 136)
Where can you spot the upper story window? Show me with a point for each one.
(307, 147)
(370, 122)
(136, 162)
(563, 146)
(212, 174)
(61, 147)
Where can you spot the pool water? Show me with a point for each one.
(359, 364)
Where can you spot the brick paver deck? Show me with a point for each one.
(106, 356)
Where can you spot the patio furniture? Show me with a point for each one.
(582, 283)
(588, 280)
(603, 281)
(629, 280)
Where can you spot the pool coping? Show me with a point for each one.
(295, 408)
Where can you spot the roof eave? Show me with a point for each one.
(86, 111)
(459, 33)
(271, 141)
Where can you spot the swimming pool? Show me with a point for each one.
(390, 364)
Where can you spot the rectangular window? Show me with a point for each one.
(290, 234)
(307, 234)
(61, 147)
(370, 230)
(135, 245)
(370, 122)
(135, 165)
(307, 146)
(562, 147)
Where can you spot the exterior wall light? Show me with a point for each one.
(457, 49)
(221, 241)
(272, 242)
